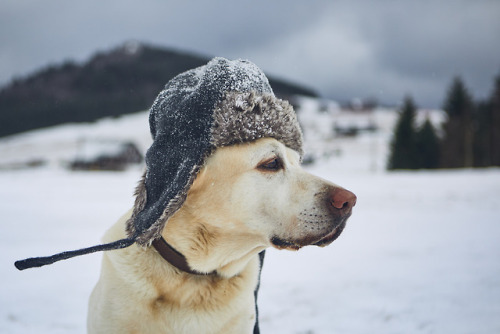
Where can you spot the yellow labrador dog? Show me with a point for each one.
(245, 198)
(222, 183)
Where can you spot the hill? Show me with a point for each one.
(120, 81)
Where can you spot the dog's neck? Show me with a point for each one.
(175, 258)
(207, 249)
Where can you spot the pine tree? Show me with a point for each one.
(427, 143)
(457, 146)
(483, 144)
(495, 124)
(403, 145)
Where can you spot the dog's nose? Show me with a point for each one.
(342, 199)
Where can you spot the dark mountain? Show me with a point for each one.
(123, 80)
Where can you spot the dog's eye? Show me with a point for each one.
(273, 164)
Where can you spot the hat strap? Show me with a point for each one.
(175, 258)
(168, 253)
(42, 261)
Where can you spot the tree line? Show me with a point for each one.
(469, 137)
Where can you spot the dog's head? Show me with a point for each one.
(225, 162)
(259, 191)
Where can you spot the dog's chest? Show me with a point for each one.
(205, 306)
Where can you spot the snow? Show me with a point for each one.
(59, 145)
(419, 255)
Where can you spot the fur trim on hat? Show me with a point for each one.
(245, 117)
(139, 204)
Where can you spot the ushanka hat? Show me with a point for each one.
(219, 104)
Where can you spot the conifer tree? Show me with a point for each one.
(487, 129)
(427, 143)
(403, 145)
(483, 134)
(457, 145)
(495, 124)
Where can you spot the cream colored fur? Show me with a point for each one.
(233, 210)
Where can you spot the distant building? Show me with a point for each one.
(357, 104)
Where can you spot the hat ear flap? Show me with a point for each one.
(163, 189)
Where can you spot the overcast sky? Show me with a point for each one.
(341, 49)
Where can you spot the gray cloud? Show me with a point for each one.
(343, 49)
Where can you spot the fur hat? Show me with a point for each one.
(219, 104)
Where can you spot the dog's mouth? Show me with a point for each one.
(332, 236)
(322, 242)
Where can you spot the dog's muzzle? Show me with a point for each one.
(339, 204)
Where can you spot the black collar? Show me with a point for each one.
(175, 258)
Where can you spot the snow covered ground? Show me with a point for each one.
(421, 253)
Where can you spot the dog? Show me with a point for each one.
(245, 198)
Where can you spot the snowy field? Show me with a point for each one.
(421, 253)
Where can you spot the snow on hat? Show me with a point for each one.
(219, 104)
